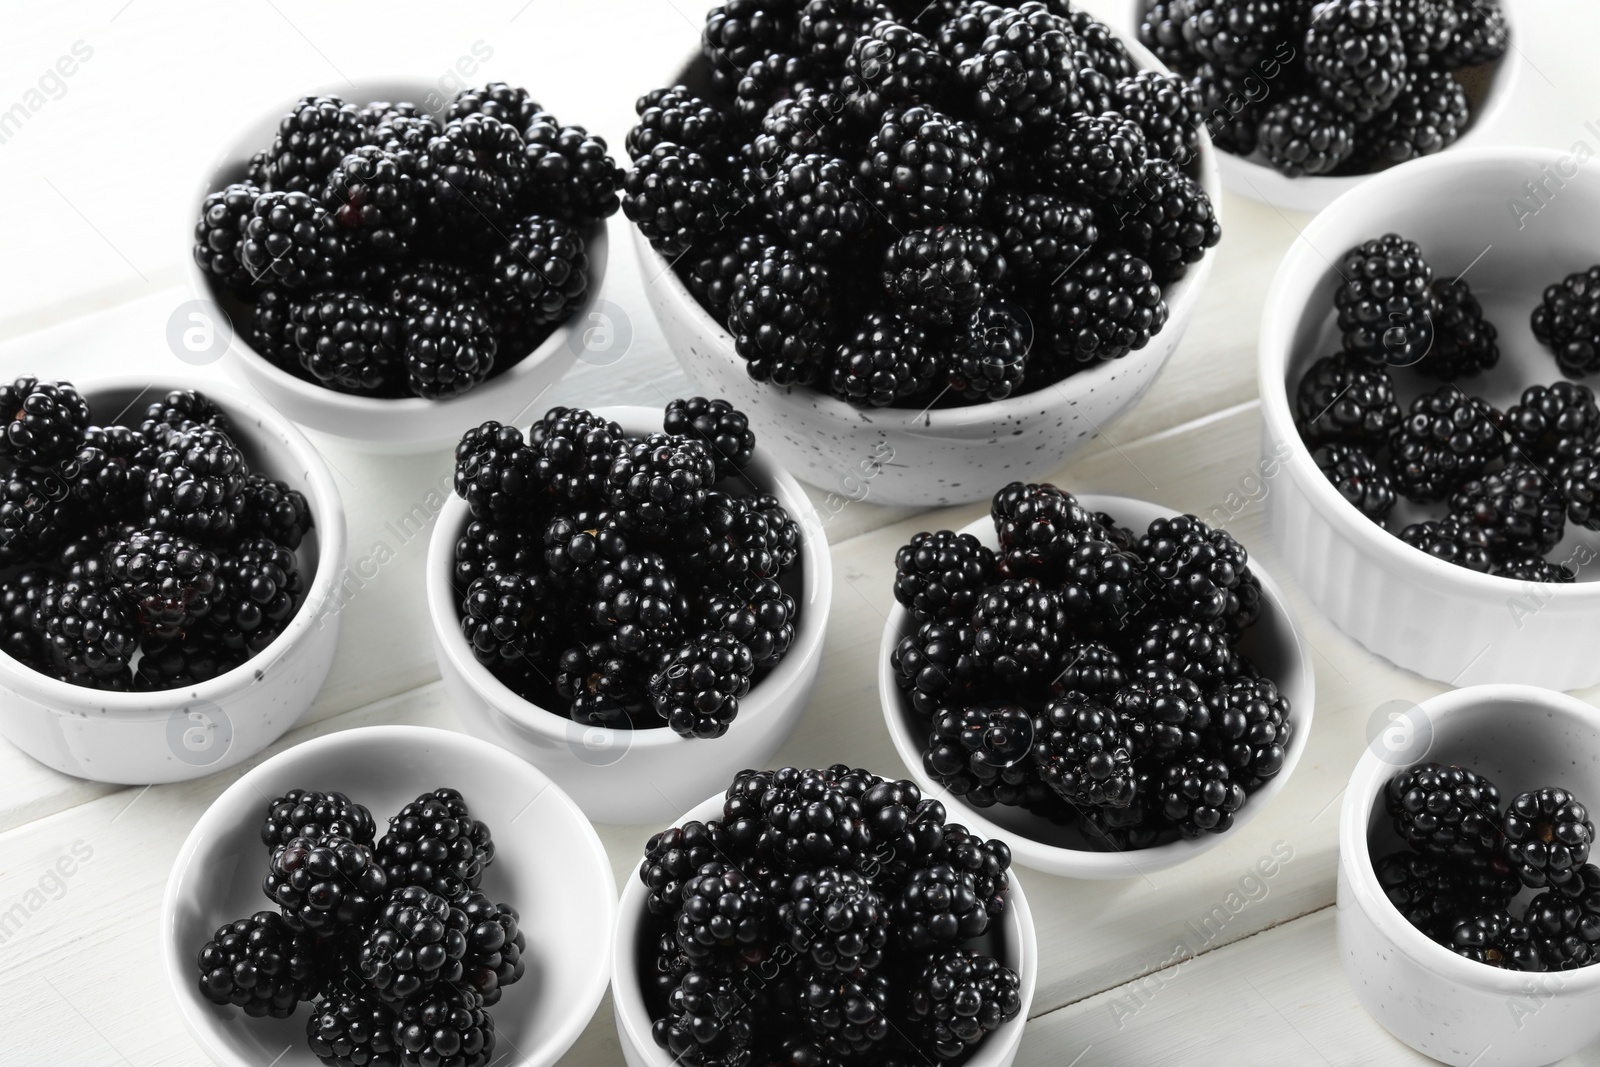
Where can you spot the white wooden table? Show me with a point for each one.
(94, 183)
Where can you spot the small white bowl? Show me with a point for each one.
(1441, 621)
(638, 776)
(548, 864)
(1018, 949)
(1274, 643)
(1441, 1004)
(400, 426)
(179, 734)
(912, 456)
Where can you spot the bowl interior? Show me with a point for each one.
(566, 909)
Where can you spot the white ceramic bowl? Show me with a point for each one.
(179, 734)
(548, 864)
(1439, 620)
(401, 426)
(1274, 643)
(1017, 947)
(1490, 92)
(638, 776)
(914, 456)
(1443, 1005)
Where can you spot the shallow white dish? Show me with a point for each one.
(1274, 643)
(179, 734)
(1018, 949)
(567, 908)
(1441, 621)
(1453, 1009)
(406, 425)
(638, 776)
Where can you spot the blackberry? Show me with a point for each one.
(179, 662)
(924, 168)
(960, 996)
(902, 822)
(992, 348)
(506, 103)
(698, 687)
(46, 422)
(986, 860)
(181, 410)
(708, 1020)
(1565, 930)
(742, 538)
(37, 514)
(890, 63)
(1449, 813)
(812, 120)
(981, 753)
(574, 449)
(1481, 36)
(430, 284)
(216, 234)
(1302, 134)
(606, 688)
(677, 116)
(483, 549)
(372, 195)
(170, 579)
(324, 886)
(936, 665)
(1083, 754)
(1567, 321)
(494, 946)
(1555, 423)
(434, 843)
(1236, 35)
(847, 1015)
(835, 919)
(448, 350)
(312, 815)
(447, 1027)
(541, 274)
(812, 823)
(106, 475)
(312, 138)
(1358, 478)
(711, 269)
(1200, 796)
(1453, 540)
(1194, 649)
(195, 489)
(1250, 729)
(1023, 74)
(578, 548)
(257, 964)
(1356, 55)
(670, 858)
(1386, 303)
(1519, 507)
(352, 1028)
(1447, 439)
(473, 172)
(1496, 939)
(1105, 590)
(1548, 834)
(290, 241)
(779, 315)
(1038, 527)
(724, 429)
(570, 172)
(1092, 158)
(828, 28)
(939, 906)
(1164, 713)
(1230, 108)
(761, 616)
(1535, 569)
(1429, 115)
(347, 342)
(1167, 108)
(494, 472)
(660, 482)
(1040, 234)
(507, 620)
(813, 201)
(273, 509)
(19, 597)
(1429, 893)
(1463, 340)
(1103, 307)
(1343, 400)
(1168, 221)
(1099, 48)
(941, 575)
(724, 914)
(940, 276)
(1203, 568)
(774, 77)
(636, 605)
(260, 589)
(268, 330)
(1017, 631)
(675, 198)
(1092, 669)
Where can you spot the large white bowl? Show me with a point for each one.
(1428, 616)
(548, 864)
(401, 426)
(914, 456)
(638, 776)
(1017, 948)
(1274, 643)
(179, 734)
(1456, 1010)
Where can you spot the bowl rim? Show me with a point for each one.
(321, 596)
(195, 1014)
(362, 91)
(1367, 781)
(633, 1018)
(1284, 309)
(1181, 297)
(551, 726)
(1299, 678)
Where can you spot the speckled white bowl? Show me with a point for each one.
(401, 426)
(1274, 643)
(1016, 946)
(1443, 1005)
(638, 776)
(911, 456)
(548, 864)
(179, 734)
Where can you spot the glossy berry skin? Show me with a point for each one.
(258, 964)
(418, 941)
(1353, 472)
(372, 194)
(940, 275)
(938, 906)
(347, 342)
(474, 170)
(448, 350)
(1498, 940)
(1428, 116)
(494, 472)
(1083, 754)
(312, 138)
(1017, 630)
(1553, 424)
(1041, 234)
(940, 575)
(741, 538)
(1567, 321)
(1250, 729)
(1452, 540)
(698, 688)
(1038, 527)
(1386, 303)
(312, 815)
(723, 914)
(836, 919)
(1204, 569)
(1447, 439)
(325, 886)
(660, 482)
(779, 315)
(1357, 56)
(991, 356)
(1548, 834)
(570, 172)
(1200, 796)
(290, 241)
(542, 272)
(676, 198)
(716, 423)
(352, 1028)
(495, 945)
(1344, 400)
(1519, 507)
(1165, 713)
(216, 234)
(506, 618)
(195, 487)
(45, 423)
(435, 843)
(1023, 74)
(1535, 569)
(1103, 308)
(761, 616)
(1093, 158)
(959, 997)
(675, 115)
(445, 1027)
(671, 857)
(924, 168)
(708, 1022)
(982, 753)
(936, 665)
(849, 1016)
(1446, 812)
(1197, 650)
(636, 605)
(1566, 929)
(171, 579)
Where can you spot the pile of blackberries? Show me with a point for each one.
(389, 939)
(387, 251)
(629, 582)
(144, 556)
(828, 917)
(1315, 87)
(1089, 674)
(915, 204)
(1491, 490)
(1471, 857)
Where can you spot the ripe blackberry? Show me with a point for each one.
(324, 886)
(1428, 893)
(1023, 74)
(257, 964)
(274, 510)
(761, 616)
(507, 620)
(660, 482)
(1446, 812)
(835, 919)
(936, 665)
(1017, 631)
(813, 201)
(676, 116)
(924, 168)
(717, 424)
(636, 605)
(941, 575)
(20, 594)
(570, 172)
(1429, 115)
(106, 475)
(174, 664)
(436, 844)
(1463, 341)
(352, 1028)
(1103, 307)
(709, 1021)
(1167, 221)
(312, 815)
(1343, 400)
(473, 172)
(1567, 321)
(1038, 526)
(1231, 107)
(606, 688)
(712, 268)
(1496, 939)
(775, 76)
(742, 538)
(1200, 796)
(982, 752)
(578, 547)
(574, 449)
(1040, 234)
(1105, 590)
(1554, 424)
(348, 342)
(507, 103)
(1092, 157)
(1303, 134)
(290, 241)
(1453, 540)
(1446, 440)
(1358, 478)
(1481, 35)
(809, 821)
(812, 120)
(540, 275)
(939, 906)
(36, 516)
(1236, 35)
(724, 914)
(1194, 649)
(216, 234)
(939, 276)
(670, 858)
(171, 580)
(1203, 568)
(260, 589)
(428, 284)
(1083, 754)
(1519, 507)
(960, 996)
(1535, 569)
(448, 350)
(1386, 303)
(848, 1016)
(312, 138)
(495, 945)
(494, 473)
(445, 1027)
(372, 195)
(195, 487)
(676, 199)
(828, 28)
(1167, 108)
(779, 315)
(45, 423)
(1250, 729)
(992, 348)
(1092, 669)
(891, 63)
(986, 860)
(1565, 930)
(1548, 834)
(698, 688)
(1163, 712)
(1357, 56)
(181, 410)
